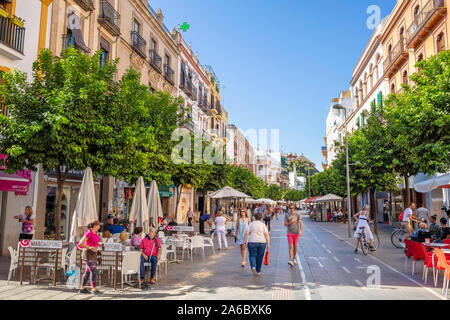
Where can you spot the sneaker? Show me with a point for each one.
(254, 272)
(291, 263)
(356, 250)
(152, 281)
(258, 274)
(295, 261)
(84, 290)
(371, 248)
(96, 292)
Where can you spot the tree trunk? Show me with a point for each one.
(60, 183)
(407, 198)
(374, 210)
(179, 190)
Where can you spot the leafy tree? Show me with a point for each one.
(274, 192)
(74, 115)
(418, 120)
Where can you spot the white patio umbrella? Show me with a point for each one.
(139, 208)
(328, 198)
(429, 185)
(86, 207)
(264, 201)
(228, 192)
(154, 204)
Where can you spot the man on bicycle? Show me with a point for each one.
(363, 226)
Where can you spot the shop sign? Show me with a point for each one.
(41, 244)
(112, 247)
(164, 192)
(183, 229)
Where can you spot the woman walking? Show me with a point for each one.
(89, 243)
(241, 229)
(257, 237)
(268, 217)
(221, 231)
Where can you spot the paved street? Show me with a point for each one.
(328, 269)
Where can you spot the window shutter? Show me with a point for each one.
(362, 119)
(357, 122)
(380, 99)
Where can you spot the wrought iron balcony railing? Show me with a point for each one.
(138, 43)
(11, 35)
(429, 11)
(169, 74)
(398, 51)
(87, 5)
(155, 60)
(109, 18)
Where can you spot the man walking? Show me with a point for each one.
(190, 216)
(294, 225)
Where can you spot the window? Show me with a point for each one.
(183, 74)
(167, 60)
(380, 99)
(105, 55)
(392, 88)
(405, 77)
(402, 38)
(416, 13)
(136, 26)
(153, 45)
(440, 43)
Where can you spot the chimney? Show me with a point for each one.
(160, 16)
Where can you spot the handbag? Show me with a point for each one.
(266, 258)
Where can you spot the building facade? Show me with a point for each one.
(24, 32)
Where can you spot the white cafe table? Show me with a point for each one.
(435, 245)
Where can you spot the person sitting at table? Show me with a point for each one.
(172, 223)
(419, 235)
(107, 237)
(109, 222)
(445, 231)
(124, 238)
(435, 229)
(136, 238)
(150, 252)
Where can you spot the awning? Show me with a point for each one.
(433, 183)
(311, 199)
(328, 198)
(13, 183)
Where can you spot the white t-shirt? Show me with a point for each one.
(257, 230)
(220, 223)
(406, 214)
(24, 216)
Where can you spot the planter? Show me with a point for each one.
(4, 13)
(18, 22)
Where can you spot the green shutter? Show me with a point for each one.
(380, 99)
(362, 119)
(357, 122)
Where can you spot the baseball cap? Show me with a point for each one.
(111, 216)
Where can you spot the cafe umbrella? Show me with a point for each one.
(86, 207)
(154, 204)
(139, 210)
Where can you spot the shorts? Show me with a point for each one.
(293, 238)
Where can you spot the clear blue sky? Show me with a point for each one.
(282, 61)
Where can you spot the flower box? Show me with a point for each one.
(4, 13)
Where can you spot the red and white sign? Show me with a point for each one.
(24, 243)
(169, 228)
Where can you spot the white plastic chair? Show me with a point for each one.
(209, 242)
(161, 234)
(186, 245)
(14, 262)
(197, 242)
(131, 264)
(162, 259)
(116, 237)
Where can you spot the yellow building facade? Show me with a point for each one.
(415, 30)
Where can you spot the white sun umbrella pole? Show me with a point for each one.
(154, 204)
(139, 208)
(86, 207)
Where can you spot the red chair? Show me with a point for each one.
(446, 241)
(409, 251)
(418, 253)
(428, 262)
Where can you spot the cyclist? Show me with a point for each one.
(363, 221)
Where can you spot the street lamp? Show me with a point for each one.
(349, 204)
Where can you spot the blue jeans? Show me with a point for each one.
(153, 263)
(256, 253)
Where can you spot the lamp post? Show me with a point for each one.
(349, 203)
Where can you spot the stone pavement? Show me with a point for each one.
(327, 269)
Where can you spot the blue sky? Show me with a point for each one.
(282, 61)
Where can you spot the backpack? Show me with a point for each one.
(400, 218)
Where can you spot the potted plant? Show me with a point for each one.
(18, 21)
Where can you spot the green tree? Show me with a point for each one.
(274, 192)
(73, 115)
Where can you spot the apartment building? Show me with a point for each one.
(24, 32)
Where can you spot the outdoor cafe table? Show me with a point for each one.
(175, 240)
(435, 245)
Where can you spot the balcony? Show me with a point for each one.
(138, 44)
(324, 151)
(11, 35)
(395, 59)
(203, 104)
(155, 61)
(109, 18)
(194, 93)
(87, 5)
(4, 109)
(425, 20)
(169, 74)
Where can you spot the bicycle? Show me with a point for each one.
(365, 245)
(397, 238)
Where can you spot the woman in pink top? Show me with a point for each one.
(136, 238)
(89, 243)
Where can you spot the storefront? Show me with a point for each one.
(46, 207)
(16, 192)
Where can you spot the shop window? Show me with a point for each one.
(50, 213)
